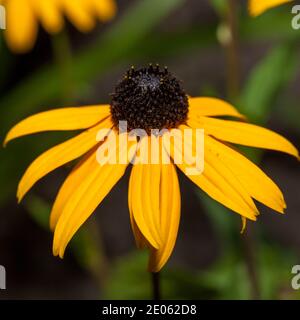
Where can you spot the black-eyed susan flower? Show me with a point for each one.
(23, 17)
(257, 7)
(151, 100)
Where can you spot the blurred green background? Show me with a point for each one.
(259, 73)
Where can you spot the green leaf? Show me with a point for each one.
(129, 279)
(274, 71)
(229, 275)
(220, 6)
(274, 25)
(222, 218)
(39, 210)
(85, 246)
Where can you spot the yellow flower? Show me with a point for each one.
(151, 98)
(257, 7)
(23, 17)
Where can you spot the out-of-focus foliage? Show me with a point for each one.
(86, 245)
(127, 281)
(278, 67)
(228, 279)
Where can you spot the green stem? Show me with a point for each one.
(156, 285)
(249, 244)
(63, 59)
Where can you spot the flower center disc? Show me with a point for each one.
(149, 98)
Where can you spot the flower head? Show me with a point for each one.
(23, 17)
(159, 100)
(158, 115)
(257, 7)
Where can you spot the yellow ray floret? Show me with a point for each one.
(60, 155)
(163, 205)
(20, 13)
(59, 119)
(49, 14)
(79, 172)
(220, 184)
(24, 16)
(140, 240)
(255, 181)
(257, 7)
(169, 194)
(145, 203)
(211, 107)
(244, 134)
(88, 195)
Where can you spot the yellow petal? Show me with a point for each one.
(144, 200)
(150, 195)
(59, 119)
(211, 157)
(170, 217)
(21, 26)
(244, 134)
(49, 13)
(205, 106)
(219, 183)
(79, 172)
(254, 180)
(85, 199)
(238, 192)
(79, 14)
(60, 155)
(106, 9)
(244, 225)
(140, 241)
(160, 203)
(257, 7)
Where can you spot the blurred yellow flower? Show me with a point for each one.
(23, 17)
(148, 99)
(257, 7)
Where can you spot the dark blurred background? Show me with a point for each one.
(211, 260)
